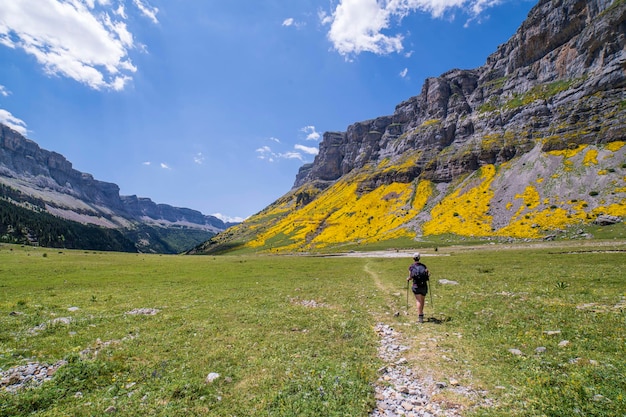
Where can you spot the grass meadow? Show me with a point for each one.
(294, 335)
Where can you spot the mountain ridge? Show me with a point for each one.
(525, 146)
(48, 181)
(452, 109)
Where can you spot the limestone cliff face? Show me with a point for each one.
(23, 158)
(69, 193)
(561, 77)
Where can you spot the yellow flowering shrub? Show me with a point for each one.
(568, 153)
(376, 215)
(404, 163)
(340, 215)
(615, 146)
(530, 200)
(423, 191)
(533, 224)
(430, 122)
(591, 157)
(464, 211)
(616, 209)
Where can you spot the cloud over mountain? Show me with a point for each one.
(360, 25)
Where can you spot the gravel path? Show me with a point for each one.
(401, 392)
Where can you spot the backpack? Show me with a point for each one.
(419, 273)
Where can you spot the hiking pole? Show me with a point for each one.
(431, 299)
(407, 297)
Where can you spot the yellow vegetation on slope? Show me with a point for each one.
(533, 224)
(345, 214)
(615, 146)
(591, 157)
(340, 215)
(568, 153)
(464, 212)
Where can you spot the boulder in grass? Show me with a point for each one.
(607, 220)
(211, 377)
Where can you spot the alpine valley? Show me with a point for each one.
(531, 145)
(44, 201)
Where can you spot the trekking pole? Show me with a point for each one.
(431, 299)
(407, 296)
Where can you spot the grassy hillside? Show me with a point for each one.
(294, 335)
(539, 195)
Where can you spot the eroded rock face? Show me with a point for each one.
(35, 168)
(560, 78)
(21, 157)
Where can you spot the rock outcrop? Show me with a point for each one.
(560, 77)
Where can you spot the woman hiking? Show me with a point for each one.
(418, 272)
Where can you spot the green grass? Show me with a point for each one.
(511, 300)
(239, 317)
(247, 318)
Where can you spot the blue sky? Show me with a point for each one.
(214, 105)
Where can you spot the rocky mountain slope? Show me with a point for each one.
(45, 181)
(525, 146)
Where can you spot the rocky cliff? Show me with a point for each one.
(525, 146)
(48, 180)
(560, 77)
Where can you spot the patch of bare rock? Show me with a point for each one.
(143, 312)
(401, 392)
(31, 374)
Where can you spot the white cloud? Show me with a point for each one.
(311, 133)
(299, 151)
(121, 12)
(147, 10)
(4, 92)
(307, 149)
(228, 219)
(85, 40)
(404, 73)
(266, 153)
(198, 158)
(165, 166)
(291, 155)
(479, 6)
(147, 163)
(13, 122)
(290, 21)
(357, 25)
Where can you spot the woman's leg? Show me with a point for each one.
(419, 298)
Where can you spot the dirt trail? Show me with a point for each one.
(374, 276)
(404, 388)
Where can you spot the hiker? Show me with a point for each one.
(418, 272)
